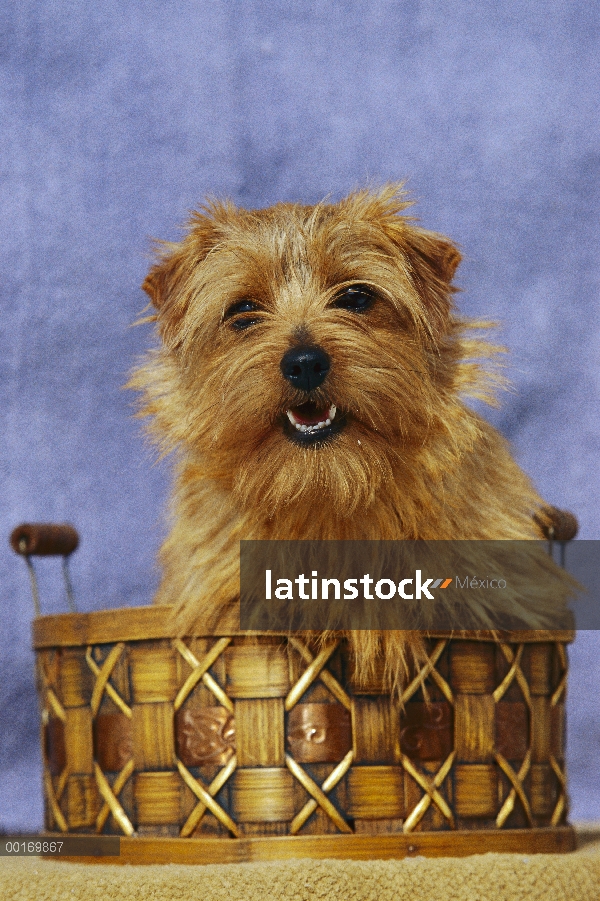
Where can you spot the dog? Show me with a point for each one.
(311, 382)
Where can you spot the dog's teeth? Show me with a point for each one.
(315, 426)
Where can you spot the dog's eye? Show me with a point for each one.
(356, 299)
(242, 322)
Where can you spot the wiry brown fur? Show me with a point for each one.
(413, 460)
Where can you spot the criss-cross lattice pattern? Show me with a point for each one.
(204, 794)
(558, 697)
(242, 735)
(52, 709)
(110, 793)
(430, 785)
(316, 670)
(516, 779)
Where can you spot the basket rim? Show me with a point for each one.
(252, 849)
(158, 622)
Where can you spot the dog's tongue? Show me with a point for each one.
(309, 413)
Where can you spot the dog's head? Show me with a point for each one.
(307, 352)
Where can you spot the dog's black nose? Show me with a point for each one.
(305, 367)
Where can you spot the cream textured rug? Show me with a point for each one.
(486, 877)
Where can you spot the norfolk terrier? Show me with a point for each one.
(311, 381)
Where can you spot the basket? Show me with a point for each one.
(243, 746)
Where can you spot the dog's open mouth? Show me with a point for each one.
(312, 424)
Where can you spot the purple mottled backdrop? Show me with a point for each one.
(118, 118)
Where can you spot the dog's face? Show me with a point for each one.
(306, 350)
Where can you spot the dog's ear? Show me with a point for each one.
(164, 285)
(177, 261)
(433, 260)
(169, 283)
(434, 255)
(162, 279)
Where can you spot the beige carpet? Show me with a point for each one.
(486, 877)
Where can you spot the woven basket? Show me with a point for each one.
(242, 747)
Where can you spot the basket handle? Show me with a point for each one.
(46, 540)
(557, 525)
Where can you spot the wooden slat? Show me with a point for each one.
(426, 730)
(260, 732)
(102, 626)
(474, 728)
(76, 679)
(158, 798)
(113, 741)
(472, 668)
(512, 729)
(541, 725)
(341, 847)
(83, 801)
(376, 730)
(383, 826)
(78, 740)
(153, 673)
(263, 795)
(257, 671)
(525, 636)
(476, 790)
(142, 623)
(557, 731)
(376, 792)
(153, 736)
(540, 669)
(542, 791)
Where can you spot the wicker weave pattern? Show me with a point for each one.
(263, 735)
